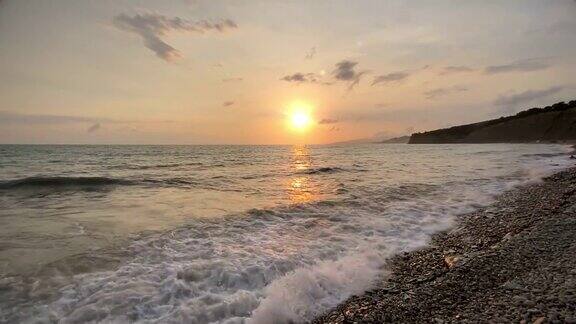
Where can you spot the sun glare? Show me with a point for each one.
(299, 117)
(300, 120)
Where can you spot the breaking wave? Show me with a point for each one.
(280, 265)
(58, 182)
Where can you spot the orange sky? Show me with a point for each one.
(227, 72)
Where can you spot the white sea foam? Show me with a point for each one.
(277, 266)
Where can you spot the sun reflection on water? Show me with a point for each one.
(301, 157)
(300, 187)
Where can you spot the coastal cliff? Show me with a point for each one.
(550, 124)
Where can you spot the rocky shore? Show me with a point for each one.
(511, 262)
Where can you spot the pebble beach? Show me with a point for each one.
(511, 262)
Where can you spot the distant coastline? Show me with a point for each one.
(552, 124)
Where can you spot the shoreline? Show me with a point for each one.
(512, 261)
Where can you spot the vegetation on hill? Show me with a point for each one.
(552, 123)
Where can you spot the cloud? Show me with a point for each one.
(327, 121)
(381, 105)
(526, 96)
(345, 71)
(311, 53)
(228, 103)
(17, 118)
(390, 77)
(153, 27)
(527, 65)
(301, 77)
(93, 128)
(456, 69)
(440, 92)
(237, 79)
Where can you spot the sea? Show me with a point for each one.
(229, 234)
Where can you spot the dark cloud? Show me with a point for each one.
(327, 121)
(153, 27)
(456, 69)
(391, 77)
(311, 53)
(93, 128)
(228, 103)
(232, 79)
(301, 77)
(527, 65)
(345, 71)
(526, 96)
(381, 105)
(440, 92)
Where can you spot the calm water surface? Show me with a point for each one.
(228, 233)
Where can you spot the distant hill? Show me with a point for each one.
(549, 124)
(354, 141)
(396, 140)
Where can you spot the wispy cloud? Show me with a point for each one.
(17, 118)
(557, 28)
(301, 77)
(390, 77)
(346, 71)
(526, 96)
(327, 121)
(228, 103)
(456, 69)
(527, 65)
(311, 53)
(95, 127)
(153, 27)
(237, 79)
(440, 92)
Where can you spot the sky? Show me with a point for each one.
(235, 71)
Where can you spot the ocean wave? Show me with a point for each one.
(163, 166)
(280, 264)
(544, 155)
(89, 183)
(51, 182)
(321, 170)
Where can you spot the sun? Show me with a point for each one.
(299, 116)
(300, 120)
